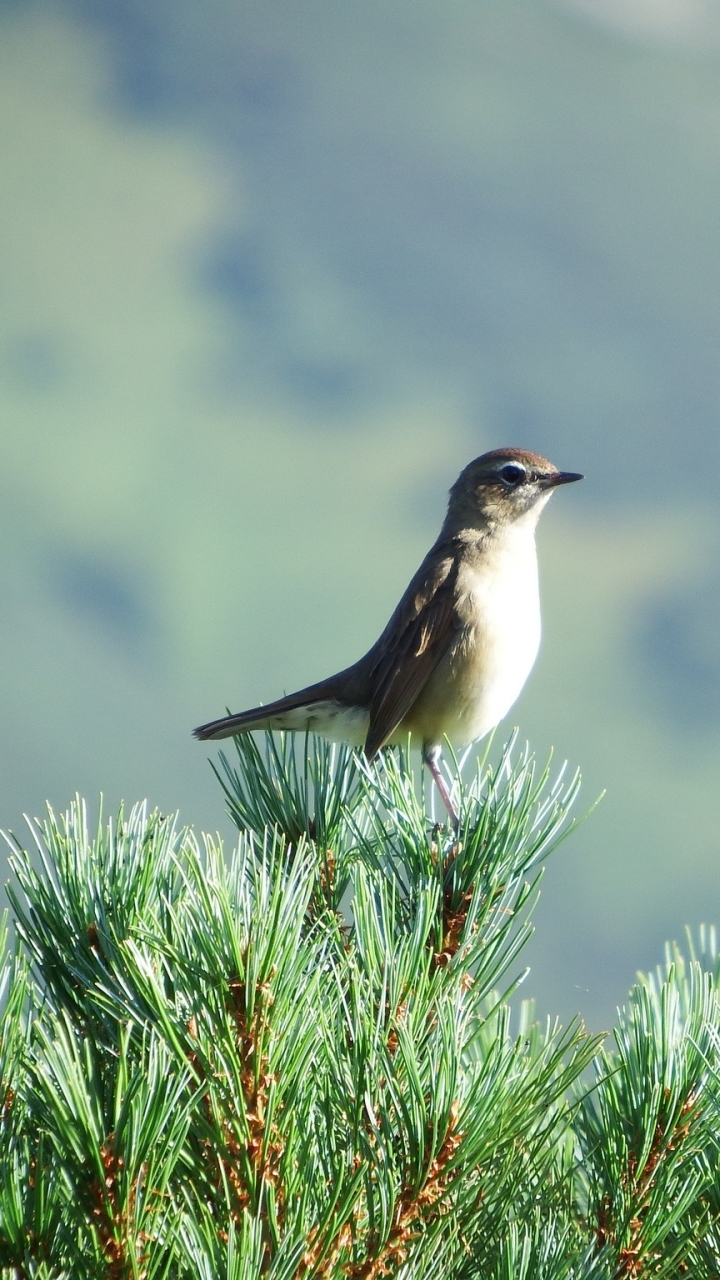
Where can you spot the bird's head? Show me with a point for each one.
(503, 486)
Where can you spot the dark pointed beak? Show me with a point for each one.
(560, 477)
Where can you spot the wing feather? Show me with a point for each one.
(413, 643)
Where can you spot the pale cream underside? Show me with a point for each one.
(481, 676)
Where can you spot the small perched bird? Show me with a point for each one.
(460, 644)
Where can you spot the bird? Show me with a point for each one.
(461, 643)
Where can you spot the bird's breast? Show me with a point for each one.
(482, 674)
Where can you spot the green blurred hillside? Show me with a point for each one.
(269, 276)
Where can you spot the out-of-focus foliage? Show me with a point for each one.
(292, 1061)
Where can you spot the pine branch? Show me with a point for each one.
(295, 1059)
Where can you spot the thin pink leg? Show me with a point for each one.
(431, 756)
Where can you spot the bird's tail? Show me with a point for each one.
(285, 713)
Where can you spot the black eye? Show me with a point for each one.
(512, 474)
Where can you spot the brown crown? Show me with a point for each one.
(534, 461)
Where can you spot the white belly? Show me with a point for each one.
(507, 641)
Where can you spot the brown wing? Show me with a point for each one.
(415, 639)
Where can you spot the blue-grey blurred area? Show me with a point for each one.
(270, 274)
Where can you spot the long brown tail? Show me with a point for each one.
(260, 717)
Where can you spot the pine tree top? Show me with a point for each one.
(297, 1058)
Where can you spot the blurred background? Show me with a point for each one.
(271, 273)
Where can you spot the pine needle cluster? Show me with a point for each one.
(296, 1060)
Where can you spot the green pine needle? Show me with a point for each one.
(296, 1059)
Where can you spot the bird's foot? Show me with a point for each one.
(432, 759)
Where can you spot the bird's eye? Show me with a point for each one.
(512, 474)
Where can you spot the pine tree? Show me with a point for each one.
(297, 1059)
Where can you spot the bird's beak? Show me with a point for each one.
(560, 477)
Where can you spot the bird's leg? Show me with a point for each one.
(431, 756)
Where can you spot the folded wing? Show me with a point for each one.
(416, 638)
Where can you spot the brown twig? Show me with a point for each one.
(413, 1211)
(633, 1256)
(109, 1219)
(454, 916)
(263, 1149)
(259, 1148)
